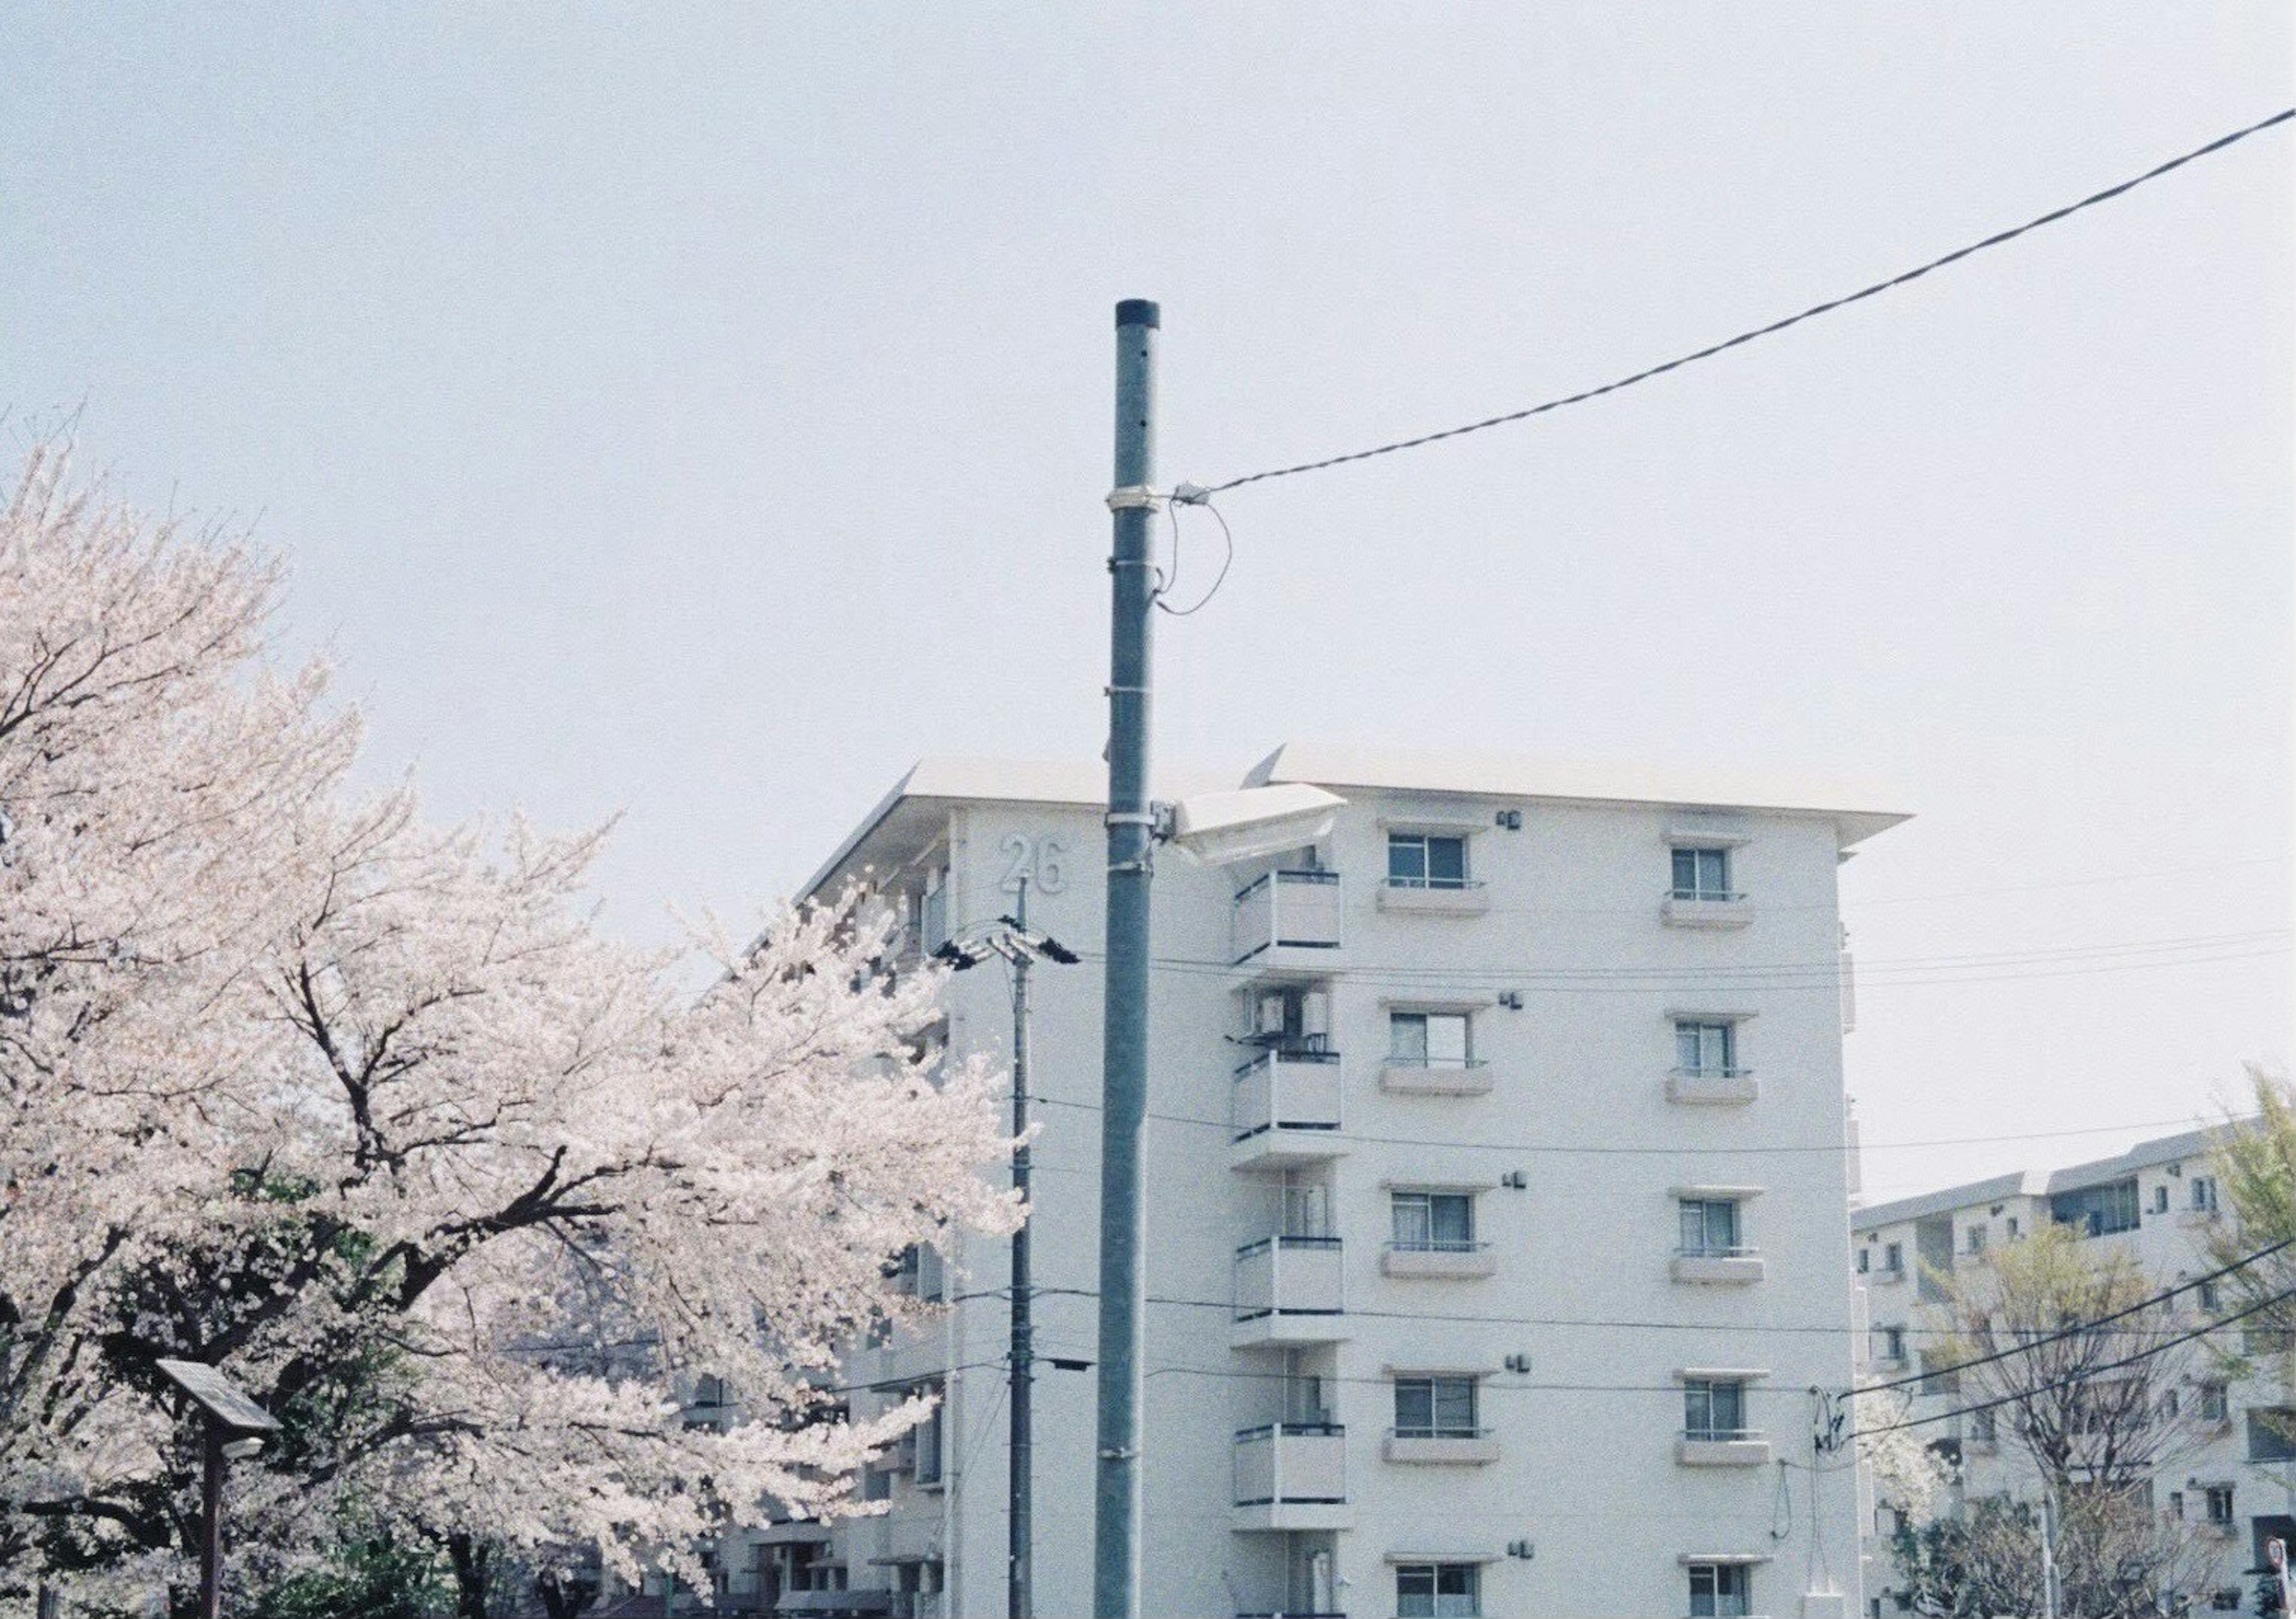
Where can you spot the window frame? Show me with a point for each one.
(1700, 858)
(1436, 1386)
(1710, 1396)
(1435, 1602)
(1729, 1592)
(1706, 1208)
(1400, 839)
(1401, 1016)
(1400, 1198)
(1697, 1030)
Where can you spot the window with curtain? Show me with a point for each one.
(1421, 860)
(1438, 1591)
(1713, 1408)
(1435, 1407)
(1429, 1040)
(1719, 1589)
(1709, 1226)
(1705, 1046)
(1434, 1222)
(1702, 873)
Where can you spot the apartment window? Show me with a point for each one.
(2177, 1505)
(1982, 1427)
(1434, 1223)
(2220, 1506)
(1438, 1591)
(1713, 1408)
(1435, 1407)
(2225, 1601)
(1419, 860)
(2172, 1405)
(2160, 1199)
(2097, 1211)
(2271, 1435)
(2204, 1193)
(1704, 1047)
(1893, 1343)
(1977, 1239)
(1429, 1040)
(2010, 1226)
(2214, 1407)
(1865, 1261)
(1721, 1589)
(1702, 874)
(1709, 1227)
(1893, 1259)
(2211, 1299)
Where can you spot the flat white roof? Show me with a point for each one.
(2033, 1183)
(1856, 813)
(1861, 808)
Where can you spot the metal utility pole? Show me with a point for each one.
(212, 1526)
(1124, 1083)
(1019, 1521)
(2048, 1559)
(1021, 949)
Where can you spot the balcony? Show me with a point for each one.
(1440, 1259)
(1291, 1476)
(1288, 1291)
(1283, 1107)
(1727, 1267)
(1704, 908)
(1436, 1076)
(1287, 921)
(1474, 1449)
(1711, 1087)
(1722, 1448)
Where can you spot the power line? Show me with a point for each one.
(2089, 1374)
(2081, 1328)
(1578, 1151)
(2041, 955)
(1724, 346)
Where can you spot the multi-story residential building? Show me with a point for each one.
(1477, 1284)
(2234, 1470)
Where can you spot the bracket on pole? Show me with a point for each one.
(1136, 497)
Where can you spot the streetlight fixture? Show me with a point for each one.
(235, 1429)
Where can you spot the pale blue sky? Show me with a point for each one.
(703, 411)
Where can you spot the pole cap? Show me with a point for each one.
(1139, 311)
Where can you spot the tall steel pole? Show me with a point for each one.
(1124, 1083)
(1019, 1521)
(211, 1524)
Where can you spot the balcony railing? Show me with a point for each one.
(1285, 1091)
(1282, 1463)
(1287, 910)
(1436, 1245)
(1289, 1275)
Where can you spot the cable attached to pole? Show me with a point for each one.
(1873, 290)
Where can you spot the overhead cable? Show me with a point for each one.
(1827, 307)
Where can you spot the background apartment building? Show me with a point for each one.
(2234, 1475)
(1476, 1283)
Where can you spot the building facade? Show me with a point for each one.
(1477, 1284)
(2233, 1470)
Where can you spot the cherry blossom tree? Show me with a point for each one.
(374, 1114)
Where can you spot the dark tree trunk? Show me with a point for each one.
(471, 1558)
(564, 1599)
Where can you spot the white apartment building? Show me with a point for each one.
(2157, 1203)
(1476, 1285)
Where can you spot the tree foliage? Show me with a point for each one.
(372, 1114)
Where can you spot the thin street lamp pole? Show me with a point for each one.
(1019, 1521)
(211, 1522)
(1124, 1083)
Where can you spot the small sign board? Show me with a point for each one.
(222, 1399)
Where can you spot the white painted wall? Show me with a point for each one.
(1586, 1470)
